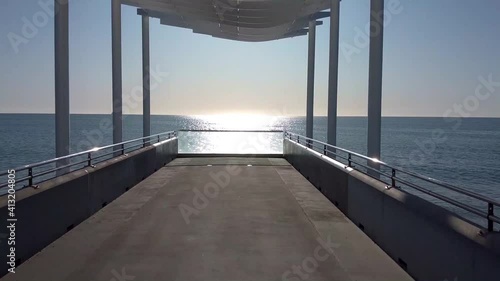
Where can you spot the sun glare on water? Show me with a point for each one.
(234, 142)
(240, 121)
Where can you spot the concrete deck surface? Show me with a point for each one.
(238, 222)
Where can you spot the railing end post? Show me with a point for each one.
(393, 178)
(30, 174)
(90, 159)
(491, 212)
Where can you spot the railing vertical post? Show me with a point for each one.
(123, 148)
(324, 149)
(158, 138)
(30, 175)
(491, 212)
(349, 158)
(89, 159)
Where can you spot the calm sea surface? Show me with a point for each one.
(464, 152)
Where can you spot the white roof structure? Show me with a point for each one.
(241, 20)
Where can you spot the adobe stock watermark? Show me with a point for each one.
(121, 276)
(221, 7)
(211, 190)
(31, 26)
(133, 100)
(361, 38)
(484, 90)
(309, 265)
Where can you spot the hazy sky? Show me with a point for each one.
(435, 51)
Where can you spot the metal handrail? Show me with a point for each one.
(117, 148)
(229, 131)
(327, 149)
(86, 152)
(89, 157)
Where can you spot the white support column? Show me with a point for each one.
(61, 54)
(146, 83)
(116, 31)
(333, 73)
(310, 79)
(375, 79)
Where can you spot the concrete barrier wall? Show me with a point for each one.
(45, 214)
(428, 241)
(327, 176)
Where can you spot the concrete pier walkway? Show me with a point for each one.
(215, 219)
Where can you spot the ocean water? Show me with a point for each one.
(463, 152)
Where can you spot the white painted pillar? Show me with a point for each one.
(146, 83)
(333, 73)
(310, 79)
(116, 31)
(375, 79)
(61, 54)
